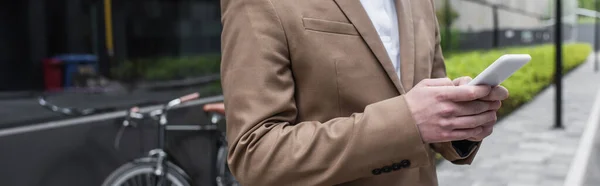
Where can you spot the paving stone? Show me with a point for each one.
(487, 164)
(527, 157)
(551, 183)
(559, 166)
(554, 174)
(518, 183)
(519, 167)
(489, 183)
(527, 177)
(541, 146)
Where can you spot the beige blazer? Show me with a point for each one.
(312, 97)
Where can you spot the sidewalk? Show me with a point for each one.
(524, 149)
(587, 157)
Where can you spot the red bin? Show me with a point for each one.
(53, 71)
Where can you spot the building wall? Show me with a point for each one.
(477, 17)
(32, 30)
(15, 64)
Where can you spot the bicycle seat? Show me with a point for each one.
(215, 107)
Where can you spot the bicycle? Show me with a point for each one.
(157, 168)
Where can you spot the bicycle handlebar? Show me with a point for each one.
(42, 101)
(181, 100)
(134, 113)
(189, 97)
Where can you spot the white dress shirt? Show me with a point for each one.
(384, 17)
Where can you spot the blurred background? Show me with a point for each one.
(101, 57)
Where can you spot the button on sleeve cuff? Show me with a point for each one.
(396, 130)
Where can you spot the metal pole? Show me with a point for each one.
(596, 29)
(94, 25)
(108, 27)
(447, 20)
(496, 31)
(558, 68)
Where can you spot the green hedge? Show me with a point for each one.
(585, 20)
(587, 4)
(529, 80)
(168, 68)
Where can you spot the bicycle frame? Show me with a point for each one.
(160, 151)
(160, 117)
(159, 154)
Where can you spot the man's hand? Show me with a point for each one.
(446, 112)
(497, 94)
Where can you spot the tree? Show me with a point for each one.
(441, 14)
(450, 38)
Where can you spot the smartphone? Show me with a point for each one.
(501, 69)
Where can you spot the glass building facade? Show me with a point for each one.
(132, 39)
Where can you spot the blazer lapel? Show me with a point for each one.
(358, 16)
(407, 42)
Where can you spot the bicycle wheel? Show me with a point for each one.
(224, 177)
(141, 173)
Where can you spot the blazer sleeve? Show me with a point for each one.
(458, 152)
(268, 145)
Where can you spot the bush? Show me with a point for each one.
(587, 4)
(441, 14)
(529, 80)
(454, 40)
(168, 68)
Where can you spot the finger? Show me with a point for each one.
(487, 130)
(462, 80)
(466, 122)
(497, 93)
(436, 82)
(475, 107)
(461, 134)
(462, 93)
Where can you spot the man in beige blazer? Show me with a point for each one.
(338, 92)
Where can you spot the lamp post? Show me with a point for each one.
(558, 66)
(496, 32)
(596, 29)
